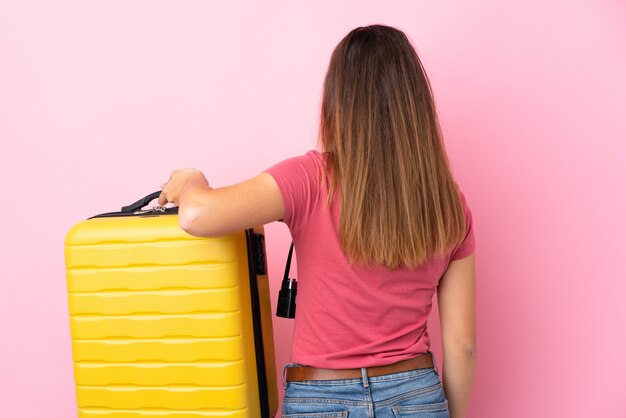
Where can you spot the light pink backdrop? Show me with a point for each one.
(100, 101)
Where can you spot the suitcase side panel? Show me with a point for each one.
(160, 327)
(262, 319)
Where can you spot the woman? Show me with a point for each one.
(379, 225)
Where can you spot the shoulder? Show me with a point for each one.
(298, 179)
(315, 160)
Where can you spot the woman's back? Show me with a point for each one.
(351, 315)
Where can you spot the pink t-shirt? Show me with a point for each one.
(348, 315)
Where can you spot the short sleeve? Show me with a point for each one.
(298, 181)
(468, 245)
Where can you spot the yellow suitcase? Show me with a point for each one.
(165, 324)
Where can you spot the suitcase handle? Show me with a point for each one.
(141, 202)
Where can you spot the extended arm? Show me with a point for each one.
(204, 211)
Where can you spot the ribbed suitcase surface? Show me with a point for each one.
(163, 323)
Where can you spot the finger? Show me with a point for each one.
(162, 199)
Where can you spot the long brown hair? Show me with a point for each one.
(385, 154)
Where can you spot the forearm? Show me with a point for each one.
(458, 376)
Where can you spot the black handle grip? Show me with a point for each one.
(141, 202)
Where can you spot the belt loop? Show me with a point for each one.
(434, 363)
(284, 380)
(366, 382)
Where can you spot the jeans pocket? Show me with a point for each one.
(325, 408)
(431, 410)
(429, 401)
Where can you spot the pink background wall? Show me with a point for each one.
(100, 101)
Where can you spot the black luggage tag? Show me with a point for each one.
(286, 306)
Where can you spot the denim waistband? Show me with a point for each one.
(365, 379)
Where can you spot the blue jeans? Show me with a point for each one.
(414, 393)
